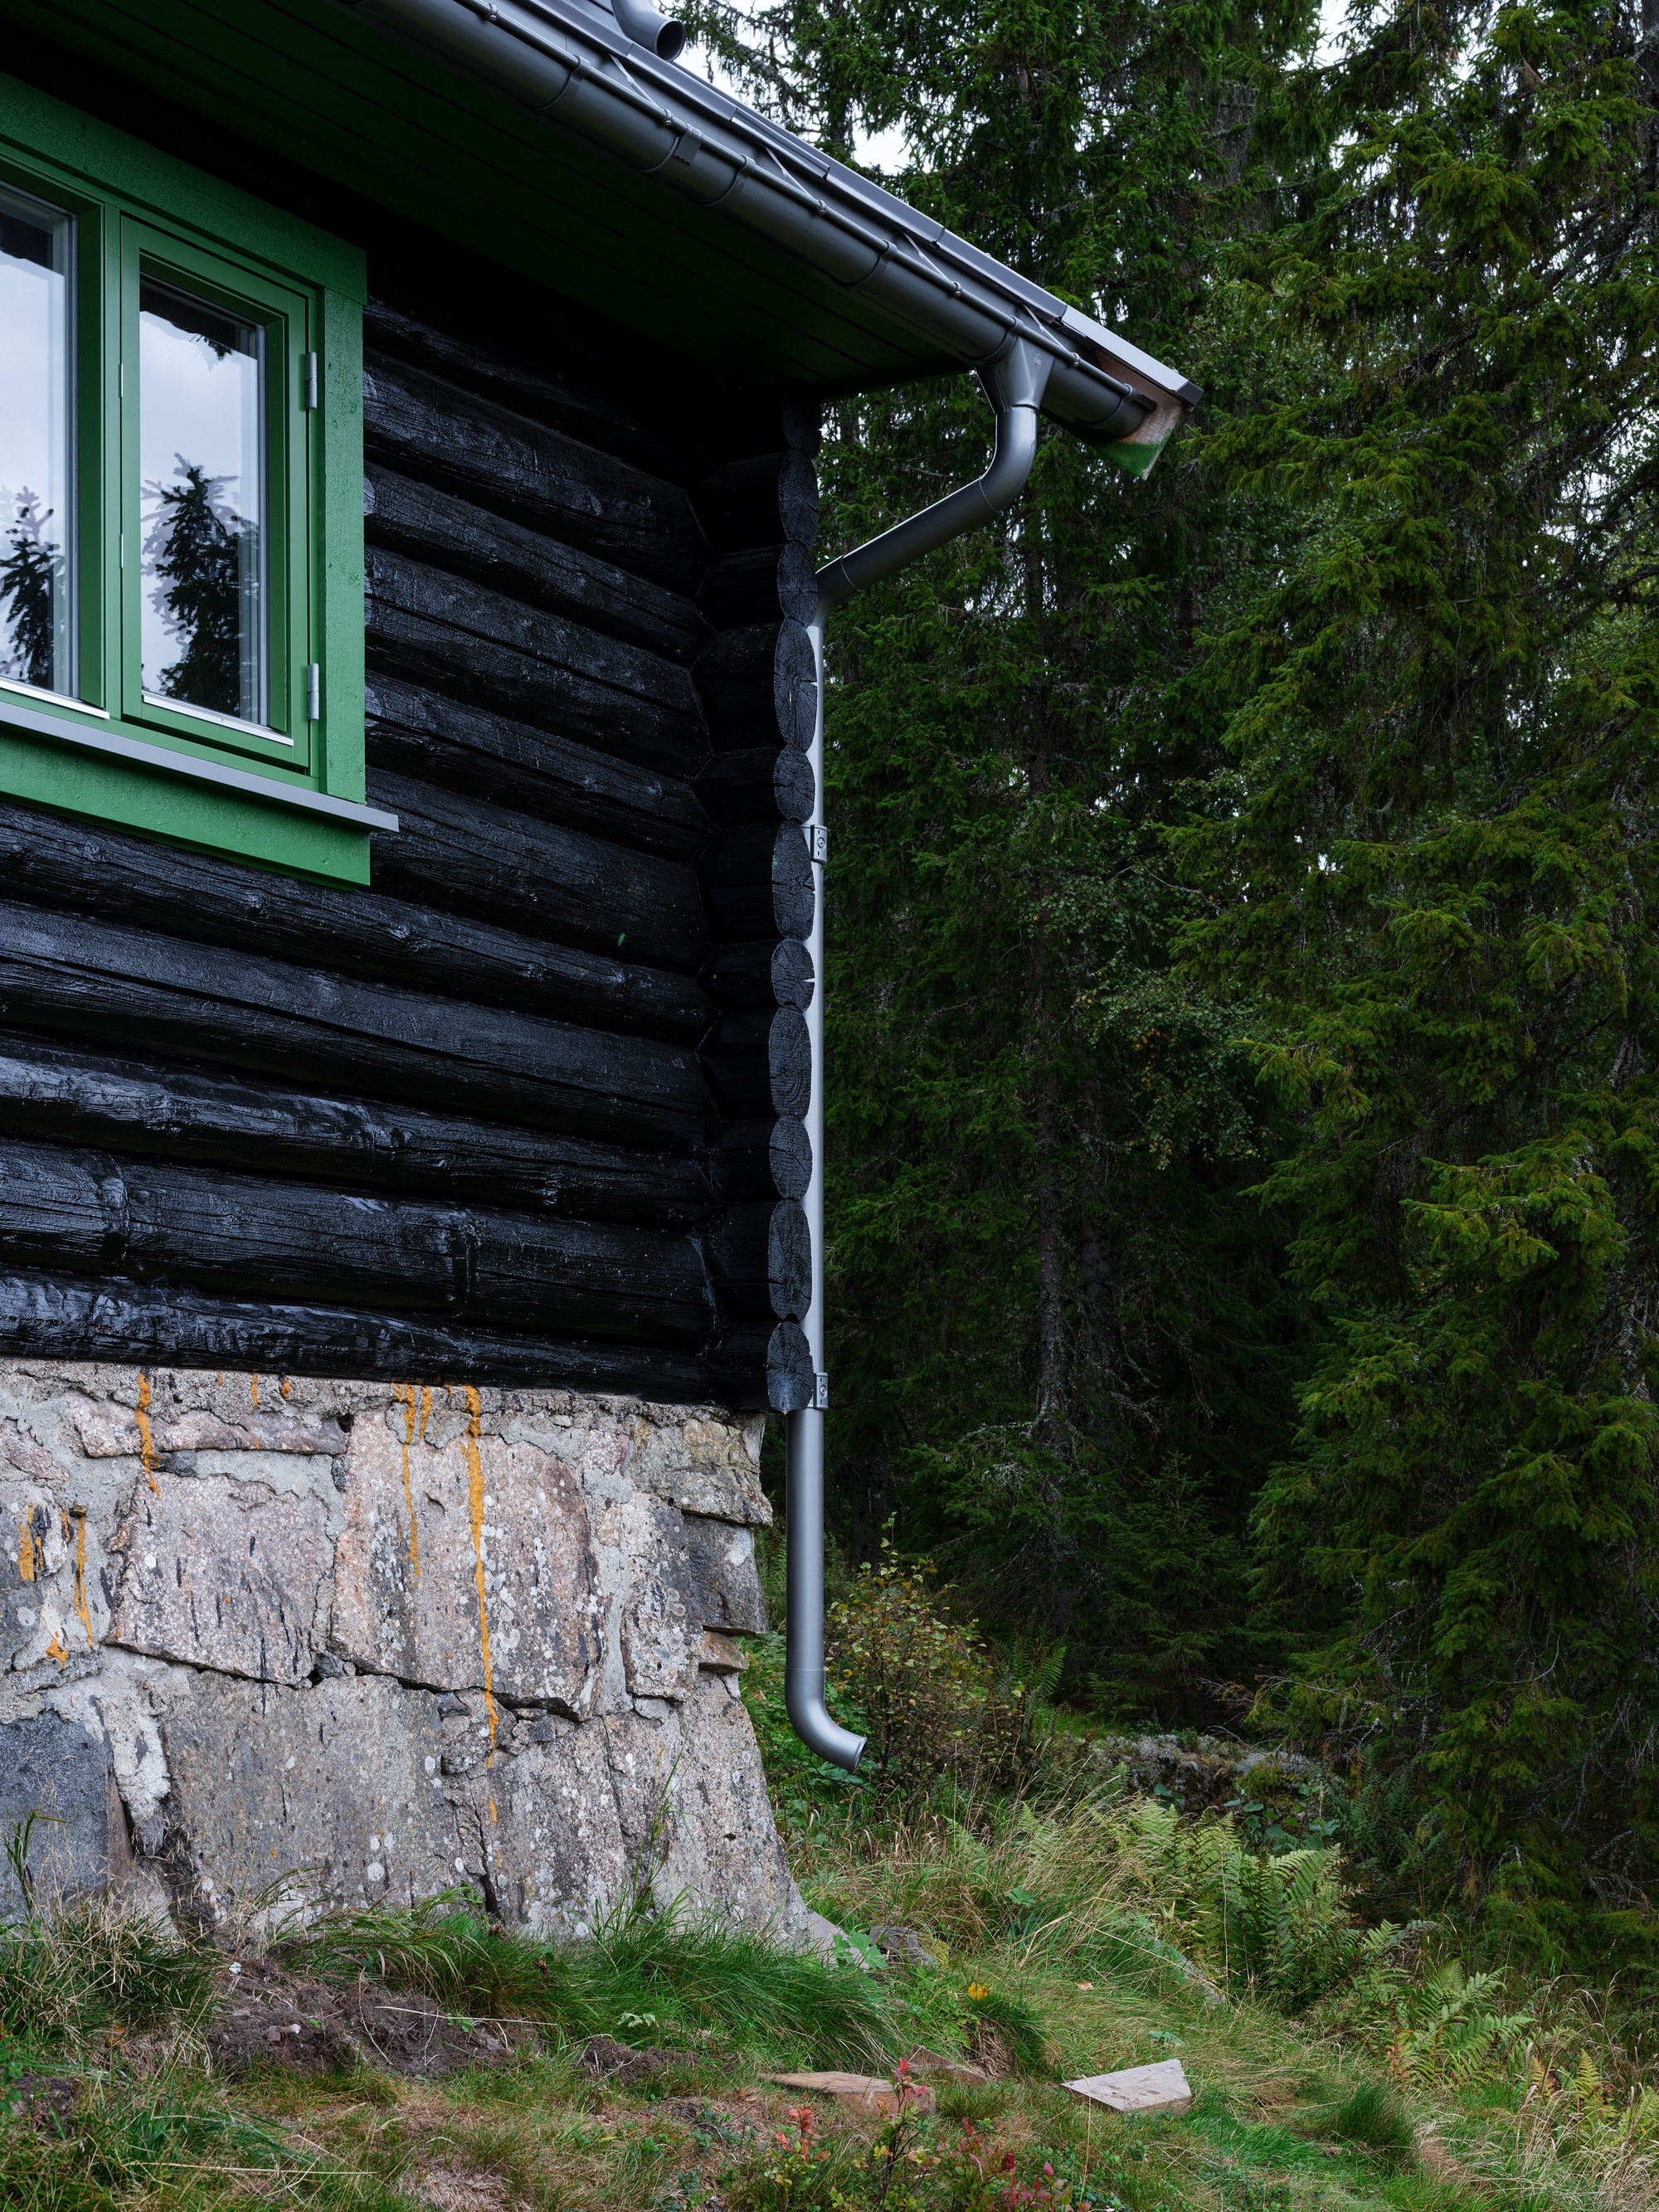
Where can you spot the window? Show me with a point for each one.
(36, 394)
(180, 501)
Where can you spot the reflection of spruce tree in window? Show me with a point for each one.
(29, 582)
(199, 550)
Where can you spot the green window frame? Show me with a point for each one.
(279, 783)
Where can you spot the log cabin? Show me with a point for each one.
(411, 837)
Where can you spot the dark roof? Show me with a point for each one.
(535, 131)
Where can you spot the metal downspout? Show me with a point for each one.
(1014, 381)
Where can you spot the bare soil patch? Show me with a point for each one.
(270, 2018)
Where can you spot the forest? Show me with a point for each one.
(1242, 989)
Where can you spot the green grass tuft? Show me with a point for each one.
(678, 1974)
(83, 1970)
(1374, 2116)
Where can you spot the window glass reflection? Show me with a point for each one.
(202, 500)
(36, 392)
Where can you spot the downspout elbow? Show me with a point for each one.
(1014, 384)
(804, 1669)
(813, 1723)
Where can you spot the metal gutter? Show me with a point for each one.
(1015, 385)
(568, 62)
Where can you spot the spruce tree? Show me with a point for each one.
(30, 580)
(1049, 1311)
(1430, 868)
(197, 548)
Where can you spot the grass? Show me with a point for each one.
(689, 1977)
(1057, 1948)
(80, 1968)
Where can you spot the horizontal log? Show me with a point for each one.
(419, 734)
(761, 1257)
(409, 517)
(67, 1211)
(770, 1157)
(421, 426)
(122, 987)
(193, 896)
(761, 686)
(759, 974)
(759, 1060)
(768, 584)
(486, 650)
(758, 882)
(739, 424)
(150, 1107)
(540, 876)
(758, 786)
(770, 499)
(52, 1317)
(751, 1364)
(569, 388)
(789, 1151)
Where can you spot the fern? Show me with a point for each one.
(1447, 2026)
(1279, 1925)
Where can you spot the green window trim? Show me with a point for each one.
(278, 788)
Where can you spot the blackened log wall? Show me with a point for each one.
(530, 1108)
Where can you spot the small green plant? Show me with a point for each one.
(117, 2145)
(81, 1969)
(17, 1854)
(1429, 2025)
(796, 2173)
(1280, 1923)
(898, 2163)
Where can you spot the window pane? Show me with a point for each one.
(35, 392)
(202, 496)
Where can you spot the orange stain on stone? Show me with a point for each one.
(26, 1566)
(285, 1386)
(253, 1385)
(146, 1441)
(80, 1512)
(475, 1492)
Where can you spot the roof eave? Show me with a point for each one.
(566, 64)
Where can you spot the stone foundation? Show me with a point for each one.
(269, 1637)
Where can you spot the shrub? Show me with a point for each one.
(931, 1694)
(794, 2174)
